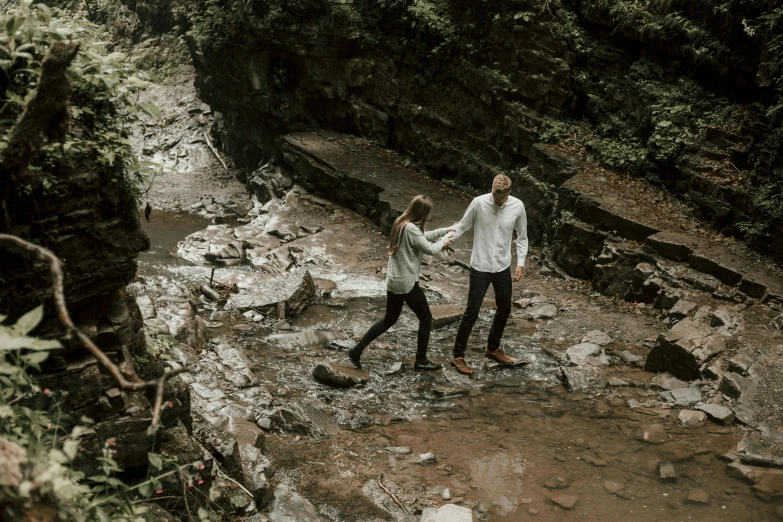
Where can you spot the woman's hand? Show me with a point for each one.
(453, 228)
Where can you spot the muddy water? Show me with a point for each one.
(506, 442)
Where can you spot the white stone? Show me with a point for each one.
(449, 513)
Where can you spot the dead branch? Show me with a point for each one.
(46, 114)
(55, 267)
(214, 151)
(394, 498)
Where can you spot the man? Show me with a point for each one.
(494, 217)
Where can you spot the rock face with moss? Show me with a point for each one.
(680, 92)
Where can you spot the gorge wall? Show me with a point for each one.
(681, 93)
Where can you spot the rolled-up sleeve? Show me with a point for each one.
(420, 242)
(522, 243)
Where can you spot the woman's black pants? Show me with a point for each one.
(417, 302)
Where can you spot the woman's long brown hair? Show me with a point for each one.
(416, 213)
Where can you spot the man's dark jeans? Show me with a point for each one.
(479, 283)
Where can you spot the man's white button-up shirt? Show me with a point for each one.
(493, 228)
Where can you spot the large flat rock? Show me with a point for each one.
(367, 178)
(292, 291)
(339, 375)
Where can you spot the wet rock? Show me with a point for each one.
(449, 513)
(340, 345)
(265, 423)
(339, 375)
(302, 419)
(289, 506)
(245, 432)
(741, 363)
(305, 338)
(597, 337)
(293, 292)
(565, 501)
(426, 458)
(146, 307)
(583, 378)
(682, 396)
(736, 386)
(666, 471)
(778, 322)
(681, 310)
(690, 418)
(631, 358)
(684, 349)
(725, 321)
(667, 381)
(257, 473)
(542, 311)
(396, 369)
(446, 314)
(587, 353)
(698, 496)
(718, 413)
(653, 434)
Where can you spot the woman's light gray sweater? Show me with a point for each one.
(402, 272)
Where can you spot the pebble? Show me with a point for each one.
(613, 487)
(653, 434)
(565, 501)
(426, 458)
(666, 470)
(399, 450)
(446, 494)
(533, 511)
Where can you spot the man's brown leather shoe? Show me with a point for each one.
(461, 366)
(498, 356)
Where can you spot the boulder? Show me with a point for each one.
(736, 386)
(587, 353)
(681, 310)
(290, 294)
(684, 349)
(690, 418)
(288, 506)
(339, 375)
(718, 413)
(583, 378)
(449, 513)
(682, 396)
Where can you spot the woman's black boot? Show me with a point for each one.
(424, 365)
(355, 354)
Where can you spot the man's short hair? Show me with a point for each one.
(501, 184)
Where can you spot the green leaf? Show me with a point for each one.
(151, 109)
(45, 12)
(145, 489)
(155, 460)
(30, 320)
(35, 358)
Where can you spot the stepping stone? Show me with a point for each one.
(583, 378)
(597, 337)
(495, 365)
(340, 375)
(446, 314)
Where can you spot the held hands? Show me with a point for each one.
(518, 274)
(453, 228)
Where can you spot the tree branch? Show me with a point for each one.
(46, 114)
(58, 288)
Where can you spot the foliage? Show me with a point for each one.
(431, 16)
(104, 102)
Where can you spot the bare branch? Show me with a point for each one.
(58, 288)
(46, 114)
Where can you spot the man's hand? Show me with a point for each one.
(453, 228)
(518, 274)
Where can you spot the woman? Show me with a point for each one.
(407, 245)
